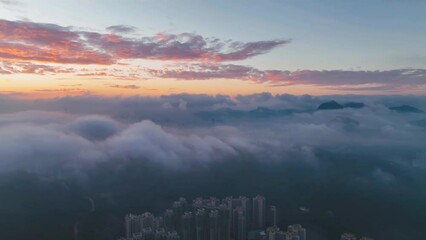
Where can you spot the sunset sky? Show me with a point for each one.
(157, 47)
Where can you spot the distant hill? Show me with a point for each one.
(406, 109)
(419, 123)
(260, 112)
(331, 105)
(354, 105)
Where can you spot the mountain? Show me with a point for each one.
(331, 105)
(419, 123)
(406, 109)
(354, 105)
(260, 112)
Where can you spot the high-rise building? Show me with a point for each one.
(201, 224)
(225, 222)
(271, 232)
(299, 230)
(197, 203)
(160, 234)
(347, 236)
(158, 222)
(272, 216)
(173, 235)
(137, 236)
(234, 223)
(211, 203)
(281, 235)
(247, 205)
(228, 202)
(242, 225)
(258, 215)
(229, 219)
(148, 234)
(148, 220)
(187, 225)
(168, 219)
(256, 235)
(132, 224)
(184, 203)
(177, 216)
(214, 227)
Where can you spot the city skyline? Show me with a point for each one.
(229, 218)
(211, 218)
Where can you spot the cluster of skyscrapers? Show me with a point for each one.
(350, 236)
(230, 218)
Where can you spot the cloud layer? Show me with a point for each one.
(57, 153)
(196, 128)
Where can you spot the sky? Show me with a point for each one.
(152, 48)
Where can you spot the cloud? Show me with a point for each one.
(205, 72)
(4, 71)
(33, 68)
(95, 127)
(150, 141)
(132, 86)
(184, 46)
(338, 79)
(129, 128)
(121, 29)
(10, 2)
(41, 150)
(46, 43)
(30, 41)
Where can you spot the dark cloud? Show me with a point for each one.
(11, 2)
(95, 127)
(121, 29)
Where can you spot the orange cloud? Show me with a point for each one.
(20, 40)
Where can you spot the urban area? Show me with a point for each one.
(231, 218)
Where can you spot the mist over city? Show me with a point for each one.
(212, 120)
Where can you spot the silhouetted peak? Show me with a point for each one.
(330, 105)
(354, 105)
(262, 110)
(406, 109)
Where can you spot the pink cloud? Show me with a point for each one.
(133, 87)
(33, 68)
(46, 43)
(336, 78)
(30, 41)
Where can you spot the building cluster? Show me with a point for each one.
(230, 218)
(350, 236)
